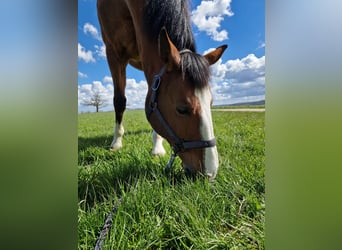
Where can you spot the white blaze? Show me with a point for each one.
(207, 132)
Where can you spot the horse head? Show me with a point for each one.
(179, 105)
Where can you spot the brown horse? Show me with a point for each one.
(155, 36)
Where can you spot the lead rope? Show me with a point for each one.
(107, 225)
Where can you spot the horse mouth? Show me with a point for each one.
(190, 172)
(187, 168)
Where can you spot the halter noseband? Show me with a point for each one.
(180, 145)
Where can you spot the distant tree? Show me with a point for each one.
(96, 100)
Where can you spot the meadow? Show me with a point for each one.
(161, 210)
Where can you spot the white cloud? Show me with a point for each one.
(90, 29)
(135, 93)
(82, 75)
(101, 50)
(238, 80)
(86, 91)
(108, 79)
(208, 17)
(261, 45)
(84, 55)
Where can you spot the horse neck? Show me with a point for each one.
(151, 61)
(148, 50)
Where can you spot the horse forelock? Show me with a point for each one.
(195, 68)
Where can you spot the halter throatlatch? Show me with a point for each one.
(179, 145)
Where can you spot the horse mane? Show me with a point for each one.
(174, 16)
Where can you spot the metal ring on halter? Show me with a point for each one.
(156, 83)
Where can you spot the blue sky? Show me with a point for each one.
(238, 76)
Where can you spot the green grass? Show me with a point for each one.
(171, 211)
(240, 107)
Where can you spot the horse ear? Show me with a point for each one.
(213, 56)
(167, 50)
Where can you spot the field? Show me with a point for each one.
(161, 210)
(240, 107)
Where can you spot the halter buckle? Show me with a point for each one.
(179, 146)
(153, 106)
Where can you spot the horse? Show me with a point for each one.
(155, 36)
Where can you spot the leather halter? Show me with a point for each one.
(180, 145)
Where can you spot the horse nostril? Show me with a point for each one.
(187, 168)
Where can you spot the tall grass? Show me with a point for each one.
(168, 210)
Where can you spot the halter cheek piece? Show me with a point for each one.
(180, 145)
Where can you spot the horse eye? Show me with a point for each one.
(183, 110)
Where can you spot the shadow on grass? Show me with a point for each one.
(104, 175)
(105, 141)
(97, 184)
(91, 149)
